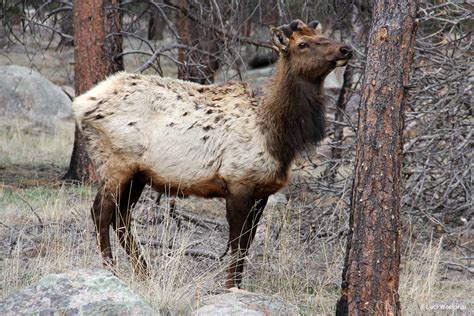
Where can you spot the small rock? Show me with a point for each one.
(84, 292)
(277, 198)
(262, 58)
(243, 303)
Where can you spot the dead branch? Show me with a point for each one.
(457, 266)
(32, 210)
(200, 221)
(188, 252)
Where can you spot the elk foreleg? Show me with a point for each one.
(256, 215)
(243, 214)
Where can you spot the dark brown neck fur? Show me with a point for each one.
(292, 115)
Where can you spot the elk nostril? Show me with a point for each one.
(346, 51)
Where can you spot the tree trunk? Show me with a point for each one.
(113, 41)
(182, 25)
(66, 26)
(201, 62)
(95, 57)
(343, 98)
(371, 273)
(156, 25)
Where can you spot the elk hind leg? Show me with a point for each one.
(256, 214)
(122, 222)
(102, 212)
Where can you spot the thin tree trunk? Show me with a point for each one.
(343, 98)
(113, 40)
(66, 26)
(197, 66)
(183, 27)
(371, 272)
(94, 59)
(156, 25)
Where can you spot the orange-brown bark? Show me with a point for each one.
(95, 57)
(371, 272)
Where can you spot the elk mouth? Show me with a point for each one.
(341, 62)
(345, 53)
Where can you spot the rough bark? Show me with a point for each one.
(371, 273)
(94, 59)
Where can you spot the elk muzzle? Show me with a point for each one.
(345, 53)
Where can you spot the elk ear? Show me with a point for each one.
(280, 40)
(316, 26)
(296, 25)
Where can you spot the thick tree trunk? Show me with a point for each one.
(94, 59)
(371, 272)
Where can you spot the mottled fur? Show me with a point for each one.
(209, 141)
(183, 135)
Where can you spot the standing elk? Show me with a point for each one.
(208, 141)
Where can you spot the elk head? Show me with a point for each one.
(307, 52)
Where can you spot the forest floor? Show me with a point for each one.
(298, 253)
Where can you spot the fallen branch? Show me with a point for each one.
(5, 225)
(202, 253)
(187, 252)
(458, 266)
(200, 221)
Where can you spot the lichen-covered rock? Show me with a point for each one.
(26, 94)
(84, 292)
(243, 303)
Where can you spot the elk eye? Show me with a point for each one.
(303, 45)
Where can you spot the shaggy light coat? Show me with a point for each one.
(186, 137)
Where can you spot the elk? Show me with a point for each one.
(209, 141)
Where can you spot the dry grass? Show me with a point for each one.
(279, 266)
(46, 229)
(24, 143)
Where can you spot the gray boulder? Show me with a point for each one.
(242, 303)
(27, 95)
(84, 292)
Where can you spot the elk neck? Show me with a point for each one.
(291, 115)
